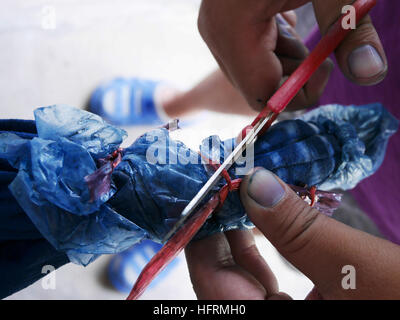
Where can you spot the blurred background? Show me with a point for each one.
(60, 51)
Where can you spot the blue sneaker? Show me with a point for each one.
(125, 101)
(125, 267)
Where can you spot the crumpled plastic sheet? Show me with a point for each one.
(336, 148)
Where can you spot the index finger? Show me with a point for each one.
(215, 274)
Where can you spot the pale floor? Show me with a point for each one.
(59, 51)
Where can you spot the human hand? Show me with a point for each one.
(229, 266)
(257, 51)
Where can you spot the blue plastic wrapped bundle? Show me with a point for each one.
(330, 147)
(50, 185)
(363, 134)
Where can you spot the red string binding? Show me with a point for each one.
(182, 237)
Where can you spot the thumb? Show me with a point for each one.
(360, 56)
(317, 245)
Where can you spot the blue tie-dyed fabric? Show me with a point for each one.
(45, 165)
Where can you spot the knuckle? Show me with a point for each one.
(365, 32)
(224, 262)
(250, 251)
(299, 230)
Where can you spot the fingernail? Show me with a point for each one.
(285, 32)
(283, 27)
(365, 62)
(281, 20)
(265, 189)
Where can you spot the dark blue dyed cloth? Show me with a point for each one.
(23, 249)
(46, 201)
